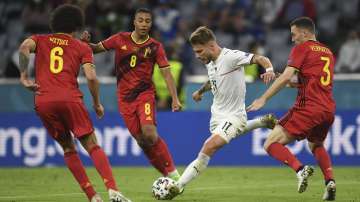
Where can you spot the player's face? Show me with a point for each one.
(142, 23)
(202, 52)
(297, 35)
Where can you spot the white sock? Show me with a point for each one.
(194, 169)
(253, 124)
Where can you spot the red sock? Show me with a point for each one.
(323, 159)
(159, 156)
(76, 167)
(281, 153)
(103, 167)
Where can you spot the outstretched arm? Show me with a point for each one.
(278, 84)
(96, 48)
(265, 62)
(170, 83)
(197, 95)
(28, 46)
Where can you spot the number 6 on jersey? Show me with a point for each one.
(55, 57)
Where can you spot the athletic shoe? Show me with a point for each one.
(303, 176)
(96, 198)
(269, 120)
(330, 191)
(116, 196)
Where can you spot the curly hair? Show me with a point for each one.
(67, 19)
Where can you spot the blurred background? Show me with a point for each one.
(257, 26)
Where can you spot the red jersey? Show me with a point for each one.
(315, 63)
(134, 64)
(57, 63)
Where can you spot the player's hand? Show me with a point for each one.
(85, 37)
(256, 105)
(99, 110)
(176, 105)
(197, 96)
(267, 77)
(30, 85)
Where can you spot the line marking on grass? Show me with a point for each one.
(44, 195)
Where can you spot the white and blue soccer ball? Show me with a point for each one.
(160, 188)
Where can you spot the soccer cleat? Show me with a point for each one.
(96, 198)
(303, 176)
(330, 191)
(116, 196)
(269, 120)
(174, 190)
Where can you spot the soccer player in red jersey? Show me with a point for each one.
(58, 100)
(135, 56)
(313, 112)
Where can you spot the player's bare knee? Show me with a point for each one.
(313, 146)
(149, 135)
(88, 142)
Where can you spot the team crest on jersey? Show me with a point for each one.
(147, 52)
(124, 47)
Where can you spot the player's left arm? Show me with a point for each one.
(265, 62)
(27, 46)
(278, 84)
(170, 83)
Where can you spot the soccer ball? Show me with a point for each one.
(160, 188)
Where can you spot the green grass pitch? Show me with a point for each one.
(225, 184)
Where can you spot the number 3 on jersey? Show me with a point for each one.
(326, 80)
(55, 58)
(133, 59)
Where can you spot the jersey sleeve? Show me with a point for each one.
(296, 57)
(241, 58)
(87, 56)
(161, 58)
(111, 42)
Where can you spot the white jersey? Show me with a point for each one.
(227, 79)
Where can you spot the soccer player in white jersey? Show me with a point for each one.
(227, 83)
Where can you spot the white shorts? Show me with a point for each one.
(228, 128)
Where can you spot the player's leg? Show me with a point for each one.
(274, 145)
(57, 129)
(80, 124)
(266, 121)
(73, 162)
(324, 161)
(196, 167)
(154, 147)
(316, 145)
(102, 165)
(223, 131)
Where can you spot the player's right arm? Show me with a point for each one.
(96, 48)
(27, 46)
(197, 95)
(93, 85)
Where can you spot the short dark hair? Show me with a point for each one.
(305, 23)
(143, 10)
(67, 18)
(202, 35)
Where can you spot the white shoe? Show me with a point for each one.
(116, 196)
(174, 190)
(303, 176)
(330, 191)
(96, 198)
(269, 120)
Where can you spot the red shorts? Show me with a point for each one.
(62, 117)
(141, 111)
(310, 124)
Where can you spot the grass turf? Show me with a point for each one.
(225, 184)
